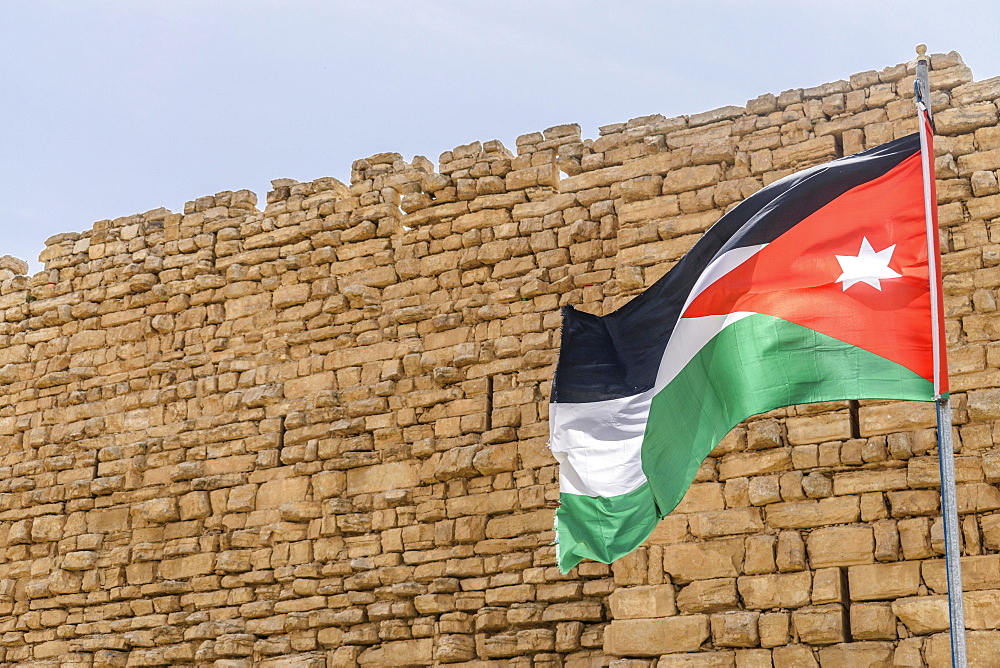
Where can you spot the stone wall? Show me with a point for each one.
(315, 434)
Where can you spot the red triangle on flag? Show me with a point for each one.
(795, 277)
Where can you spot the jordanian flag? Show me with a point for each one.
(816, 288)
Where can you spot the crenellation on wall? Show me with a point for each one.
(315, 434)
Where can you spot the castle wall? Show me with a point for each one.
(315, 434)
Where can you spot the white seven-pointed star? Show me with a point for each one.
(868, 267)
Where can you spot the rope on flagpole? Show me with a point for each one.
(946, 452)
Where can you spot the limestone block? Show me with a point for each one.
(809, 514)
(510, 526)
(760, 555)
(417, 652)
(233, 561)
(787, 590)
(273, 493)
(720, 558)
(869, 654)
(791, 552)
(841, 546)
(187, 567)
(735, 629)
(982, 648)
(637, 210)
(691, 178)
(702, 497)
(294, 388)
(693, 660)
(708, 596)
(774, 628)
(915, 538)
(47, 528)
(886, 540)
(586, 611)
(990, 525)
(753, 658)
(80, 561)
(653, 637)
(764, 435)
(496, 458)
(828, 586)
(457, 463)
(980, 572)
(656, 253)
(642, 602)
(911, 502)
(815, 485)
(873, 621)
(982, 609)
(300, 511)
(328, 484)
(818, 428)
(725, 522)
(670, 530)
(859, 482)
(452, 648)
(795, 655)
(923, 472)
(961, 120)
(381, 478)
(900, 416)
(194, 505)
(886, 581)
(764, 490)
(922, 614)
(745, 464)
(820, 625)
(107, 520)
(490, 503)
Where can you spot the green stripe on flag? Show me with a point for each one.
(753, 366)
(603, 528)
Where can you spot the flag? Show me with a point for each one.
(816, 288)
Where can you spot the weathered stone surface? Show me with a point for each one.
(873, 621)
(735, 629)
(703, 561)
(708, 596)
(922, 614)
(696, 660)
(884, 581)
(808, 514)
(978, 572)
(900, 416)
(652, 637)
(640, 602)
(725, 522)
(754, 463)
(982, 648)
(822, 625)
(788, 590)
(858, 654)
(841, 546)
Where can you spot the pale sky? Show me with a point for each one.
(113, 108)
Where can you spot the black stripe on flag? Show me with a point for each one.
(618, 355)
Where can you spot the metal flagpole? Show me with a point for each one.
(946, 453)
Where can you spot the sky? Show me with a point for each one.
(110, 108)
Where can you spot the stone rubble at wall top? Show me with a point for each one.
(314, 434)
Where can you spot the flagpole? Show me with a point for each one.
(946, 452)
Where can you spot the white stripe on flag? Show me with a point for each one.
(599, 444)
